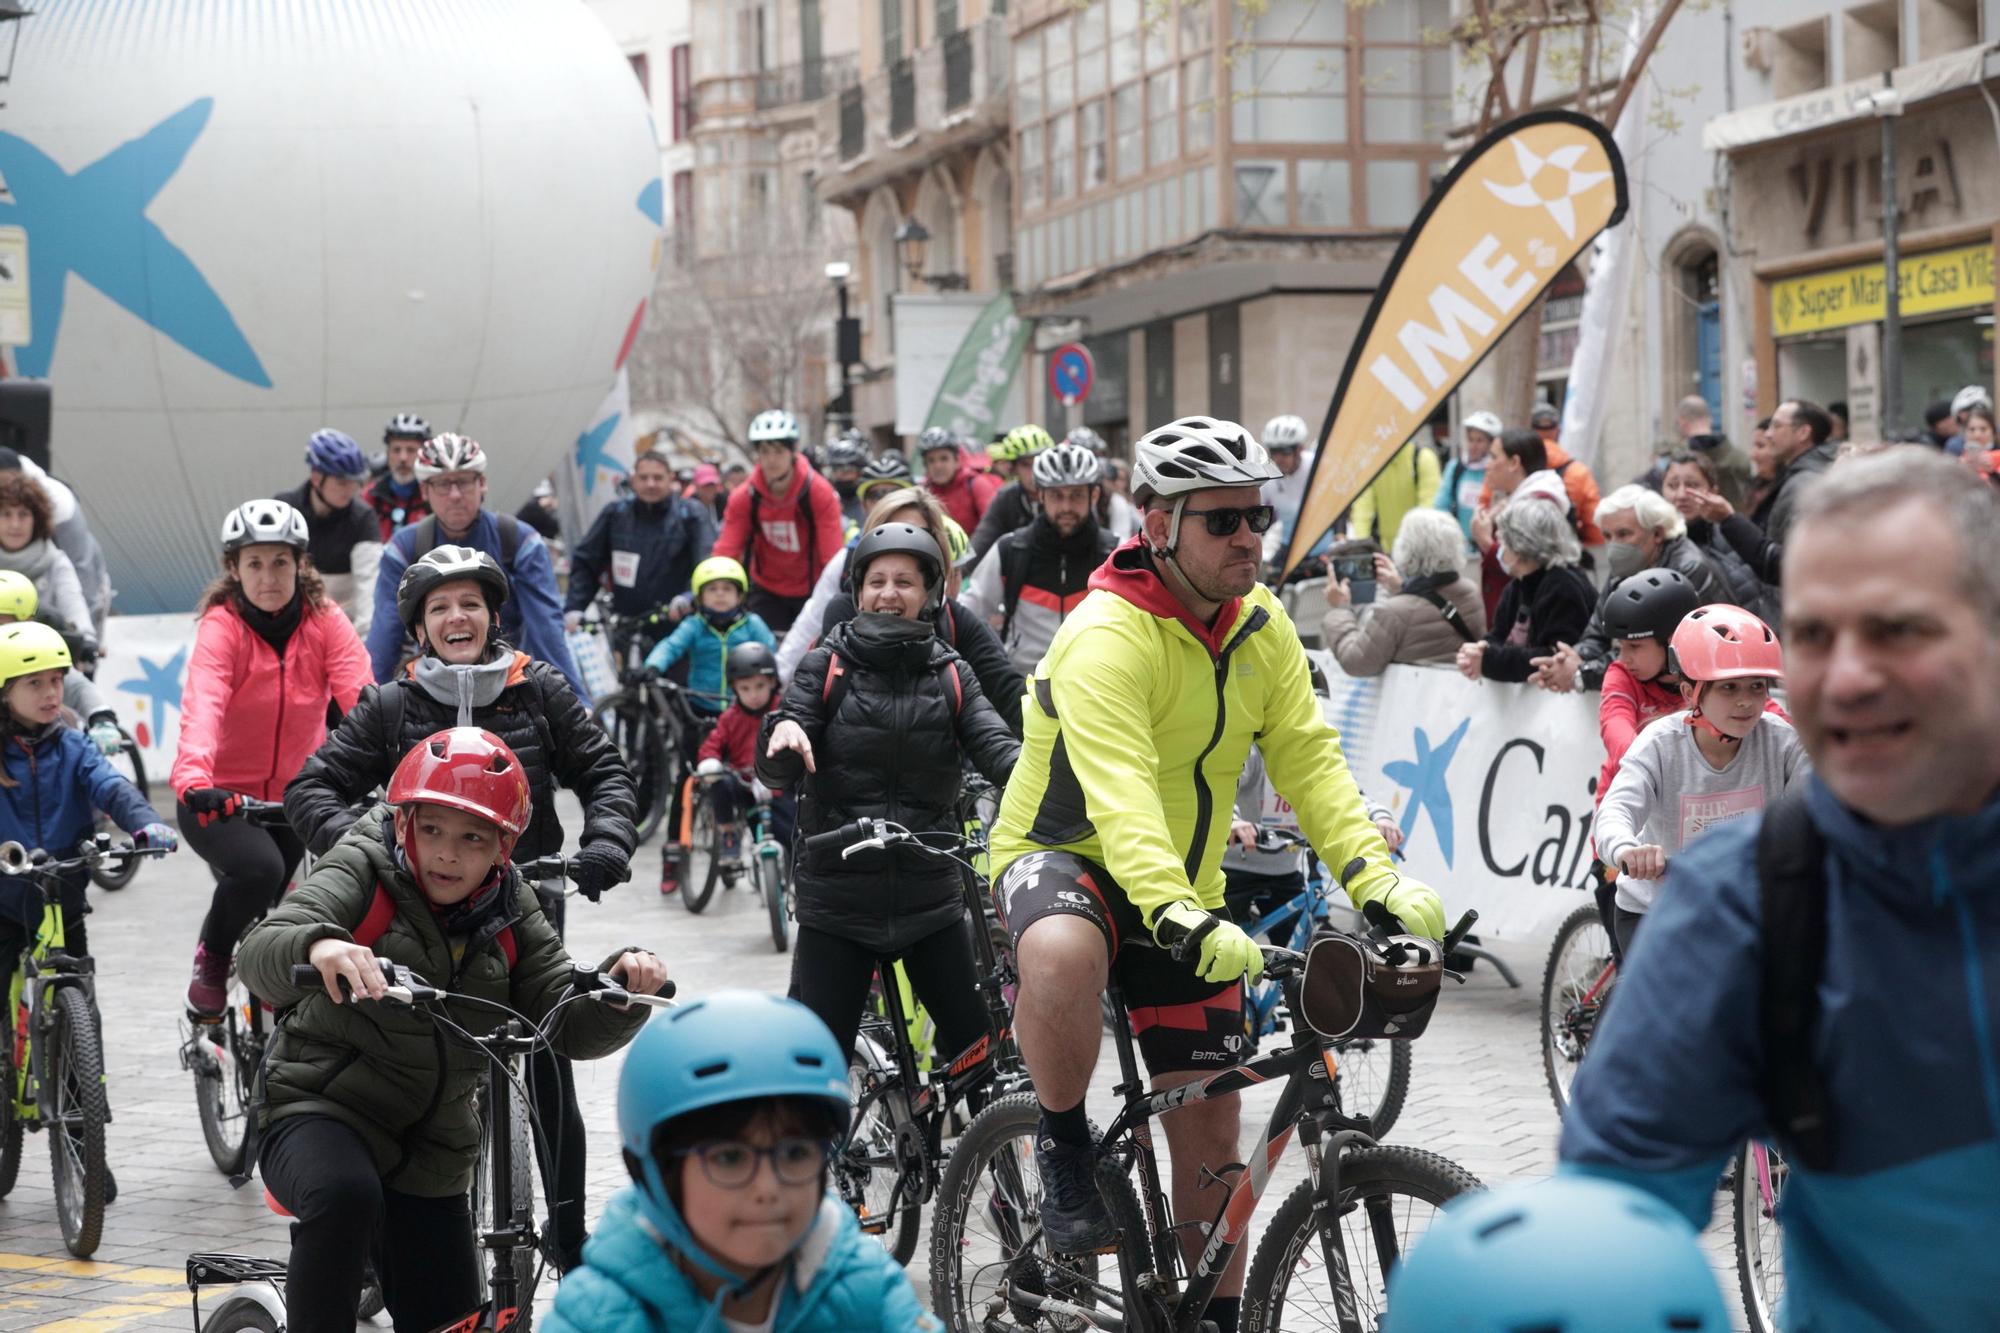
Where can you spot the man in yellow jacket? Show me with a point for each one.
(1408, 481)
(1137, 724)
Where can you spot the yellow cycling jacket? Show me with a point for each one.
(1137, 724)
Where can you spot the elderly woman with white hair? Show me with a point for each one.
(1547, 600)
(1642, 530)
(1428, 610)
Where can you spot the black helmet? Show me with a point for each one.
(890, 469)
(908, 539)
(850, 450)
(447, 564)
(750, 659)
(1649, 605)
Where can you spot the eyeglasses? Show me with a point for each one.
(451, 486)
(1224, 522)
(730, 1164)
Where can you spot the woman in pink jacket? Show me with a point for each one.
(272, 652)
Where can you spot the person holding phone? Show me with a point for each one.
(1429, 608)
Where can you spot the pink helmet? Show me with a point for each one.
(1720, 642)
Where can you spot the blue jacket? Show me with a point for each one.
(840, 1281)
(61, 781)
(531, 620)
(652, 547)
(707, 650)
(1895, 1237)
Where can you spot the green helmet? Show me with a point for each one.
(1022, 442)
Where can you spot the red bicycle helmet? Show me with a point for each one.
(1720, 642)
(466, 768)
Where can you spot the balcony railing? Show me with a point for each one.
(808, 81)
(958, 70)
(902, 98)
(853, 125)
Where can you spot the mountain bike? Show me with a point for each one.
(132, 765)
(657, 730)
(1576, 986)
(756, 853)
(53, 1065)
(1332, 1242)
(507, 1233)
(890, 1165)
(1755, 1193)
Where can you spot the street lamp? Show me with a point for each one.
(913, 240)
(846, 344)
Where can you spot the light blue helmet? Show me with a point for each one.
(1505, 1260)
(334, 453)
(728, 1047)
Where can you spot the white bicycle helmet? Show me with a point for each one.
(1285, 432)
(449, 453)
(776, 426)
(1067, 465)
(1195, 454)
(1486, 423)
(258, 522)
(406, 426)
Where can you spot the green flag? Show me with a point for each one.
(974, 389)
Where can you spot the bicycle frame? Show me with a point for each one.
(43, 965)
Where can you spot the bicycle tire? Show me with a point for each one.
(1363, 1066)
(866, 1167)
(521, 1184)
(106, 877)
(703, 830)
(1566, 1034)
(1003, 1134)
(12, 1131)
(75, 1070)
(771, 883)
(221, 1092)
(1760, 1255)
(1370, 1180)
(242, 1314)
(630, 723)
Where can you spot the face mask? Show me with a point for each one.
(720, 619)
(1624, 559)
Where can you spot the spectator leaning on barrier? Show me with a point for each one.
(1548, 599)
(1644, 532)
(1427, 609)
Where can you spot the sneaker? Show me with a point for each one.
(670, 879)
(208, 993)
(1074, 1218)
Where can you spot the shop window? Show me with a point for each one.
(1798, 59)
(1872, 35)
(1163, 117)
(1128, 124)
(1946, 25)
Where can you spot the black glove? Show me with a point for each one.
(210, 804)
(598, 866)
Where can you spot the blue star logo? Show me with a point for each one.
(93, 223)
(160, 682)
(1425, 779)
(590, 446)
(651, 204)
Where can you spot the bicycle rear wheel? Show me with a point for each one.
(1576, 986)
(74, 1063)
(629, 722)
(988, 1258)
(704, 834)
(1374, 1079)
(865, 1170)
(1760, 1240)
(771, 884)
(132, 765)
(1388, 1199)
(490, 1213)
(216, 1055)
(11, 1129)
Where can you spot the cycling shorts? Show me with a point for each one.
(1181, 1023)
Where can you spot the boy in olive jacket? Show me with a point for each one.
(369, 1122)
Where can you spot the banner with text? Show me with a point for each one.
(1928, 284)
(973, 390)
(1518, 207)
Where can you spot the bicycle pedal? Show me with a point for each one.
(200, 1019)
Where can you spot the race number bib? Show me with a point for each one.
(783, 535)
(625, 568)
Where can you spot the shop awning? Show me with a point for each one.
(1833, 106)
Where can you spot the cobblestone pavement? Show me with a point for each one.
(1477, 1097)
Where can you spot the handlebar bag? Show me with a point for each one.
(1349, 992)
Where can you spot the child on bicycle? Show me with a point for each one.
(727, 1224)
(706, 637)
(728, 757)
(52, 782)
(370, 1133)
(20, 601)
(1256, 881)
(1723, 759)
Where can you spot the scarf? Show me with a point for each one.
(888, 641)
(274, 628)
(32, 560)
(478, 685)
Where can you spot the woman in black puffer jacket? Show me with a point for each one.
(465, 676)
(878, 721)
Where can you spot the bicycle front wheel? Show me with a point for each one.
(989, 1260)
(216, 1055)
(771, 883)
(633, 729)
(1576, 986)
(1388, 1199)
(75, 1069)
(1760, 1240)
(705, 834)
(1374, 1079)
(492, 1207)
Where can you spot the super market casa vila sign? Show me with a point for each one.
(1934, 283)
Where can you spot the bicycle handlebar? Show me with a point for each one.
(408, 988)
(875, 834)
(95, 851)
(267, 814)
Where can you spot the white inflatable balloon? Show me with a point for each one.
(245, 221)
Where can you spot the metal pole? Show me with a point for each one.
(1887, 107)
(846, 367)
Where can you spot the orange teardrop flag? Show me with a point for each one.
(1518, 207)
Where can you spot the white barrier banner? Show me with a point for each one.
(1493, 786)
(140, 671)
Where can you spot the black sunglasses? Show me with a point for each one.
(1224, 522)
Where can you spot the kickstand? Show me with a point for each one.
(1506, 973)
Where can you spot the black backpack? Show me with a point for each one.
(1791, 877)
(426, 540)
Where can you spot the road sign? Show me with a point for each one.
(15, 328)
(1071, 373)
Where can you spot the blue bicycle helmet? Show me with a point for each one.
(332, 452)
(1504, 1261)
(728, 1047)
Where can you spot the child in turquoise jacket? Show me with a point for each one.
(728, 1223)
(717, 624)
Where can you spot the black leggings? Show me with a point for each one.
(324, 1175)
(830, 976)
(552, 1087)
(254, 863)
